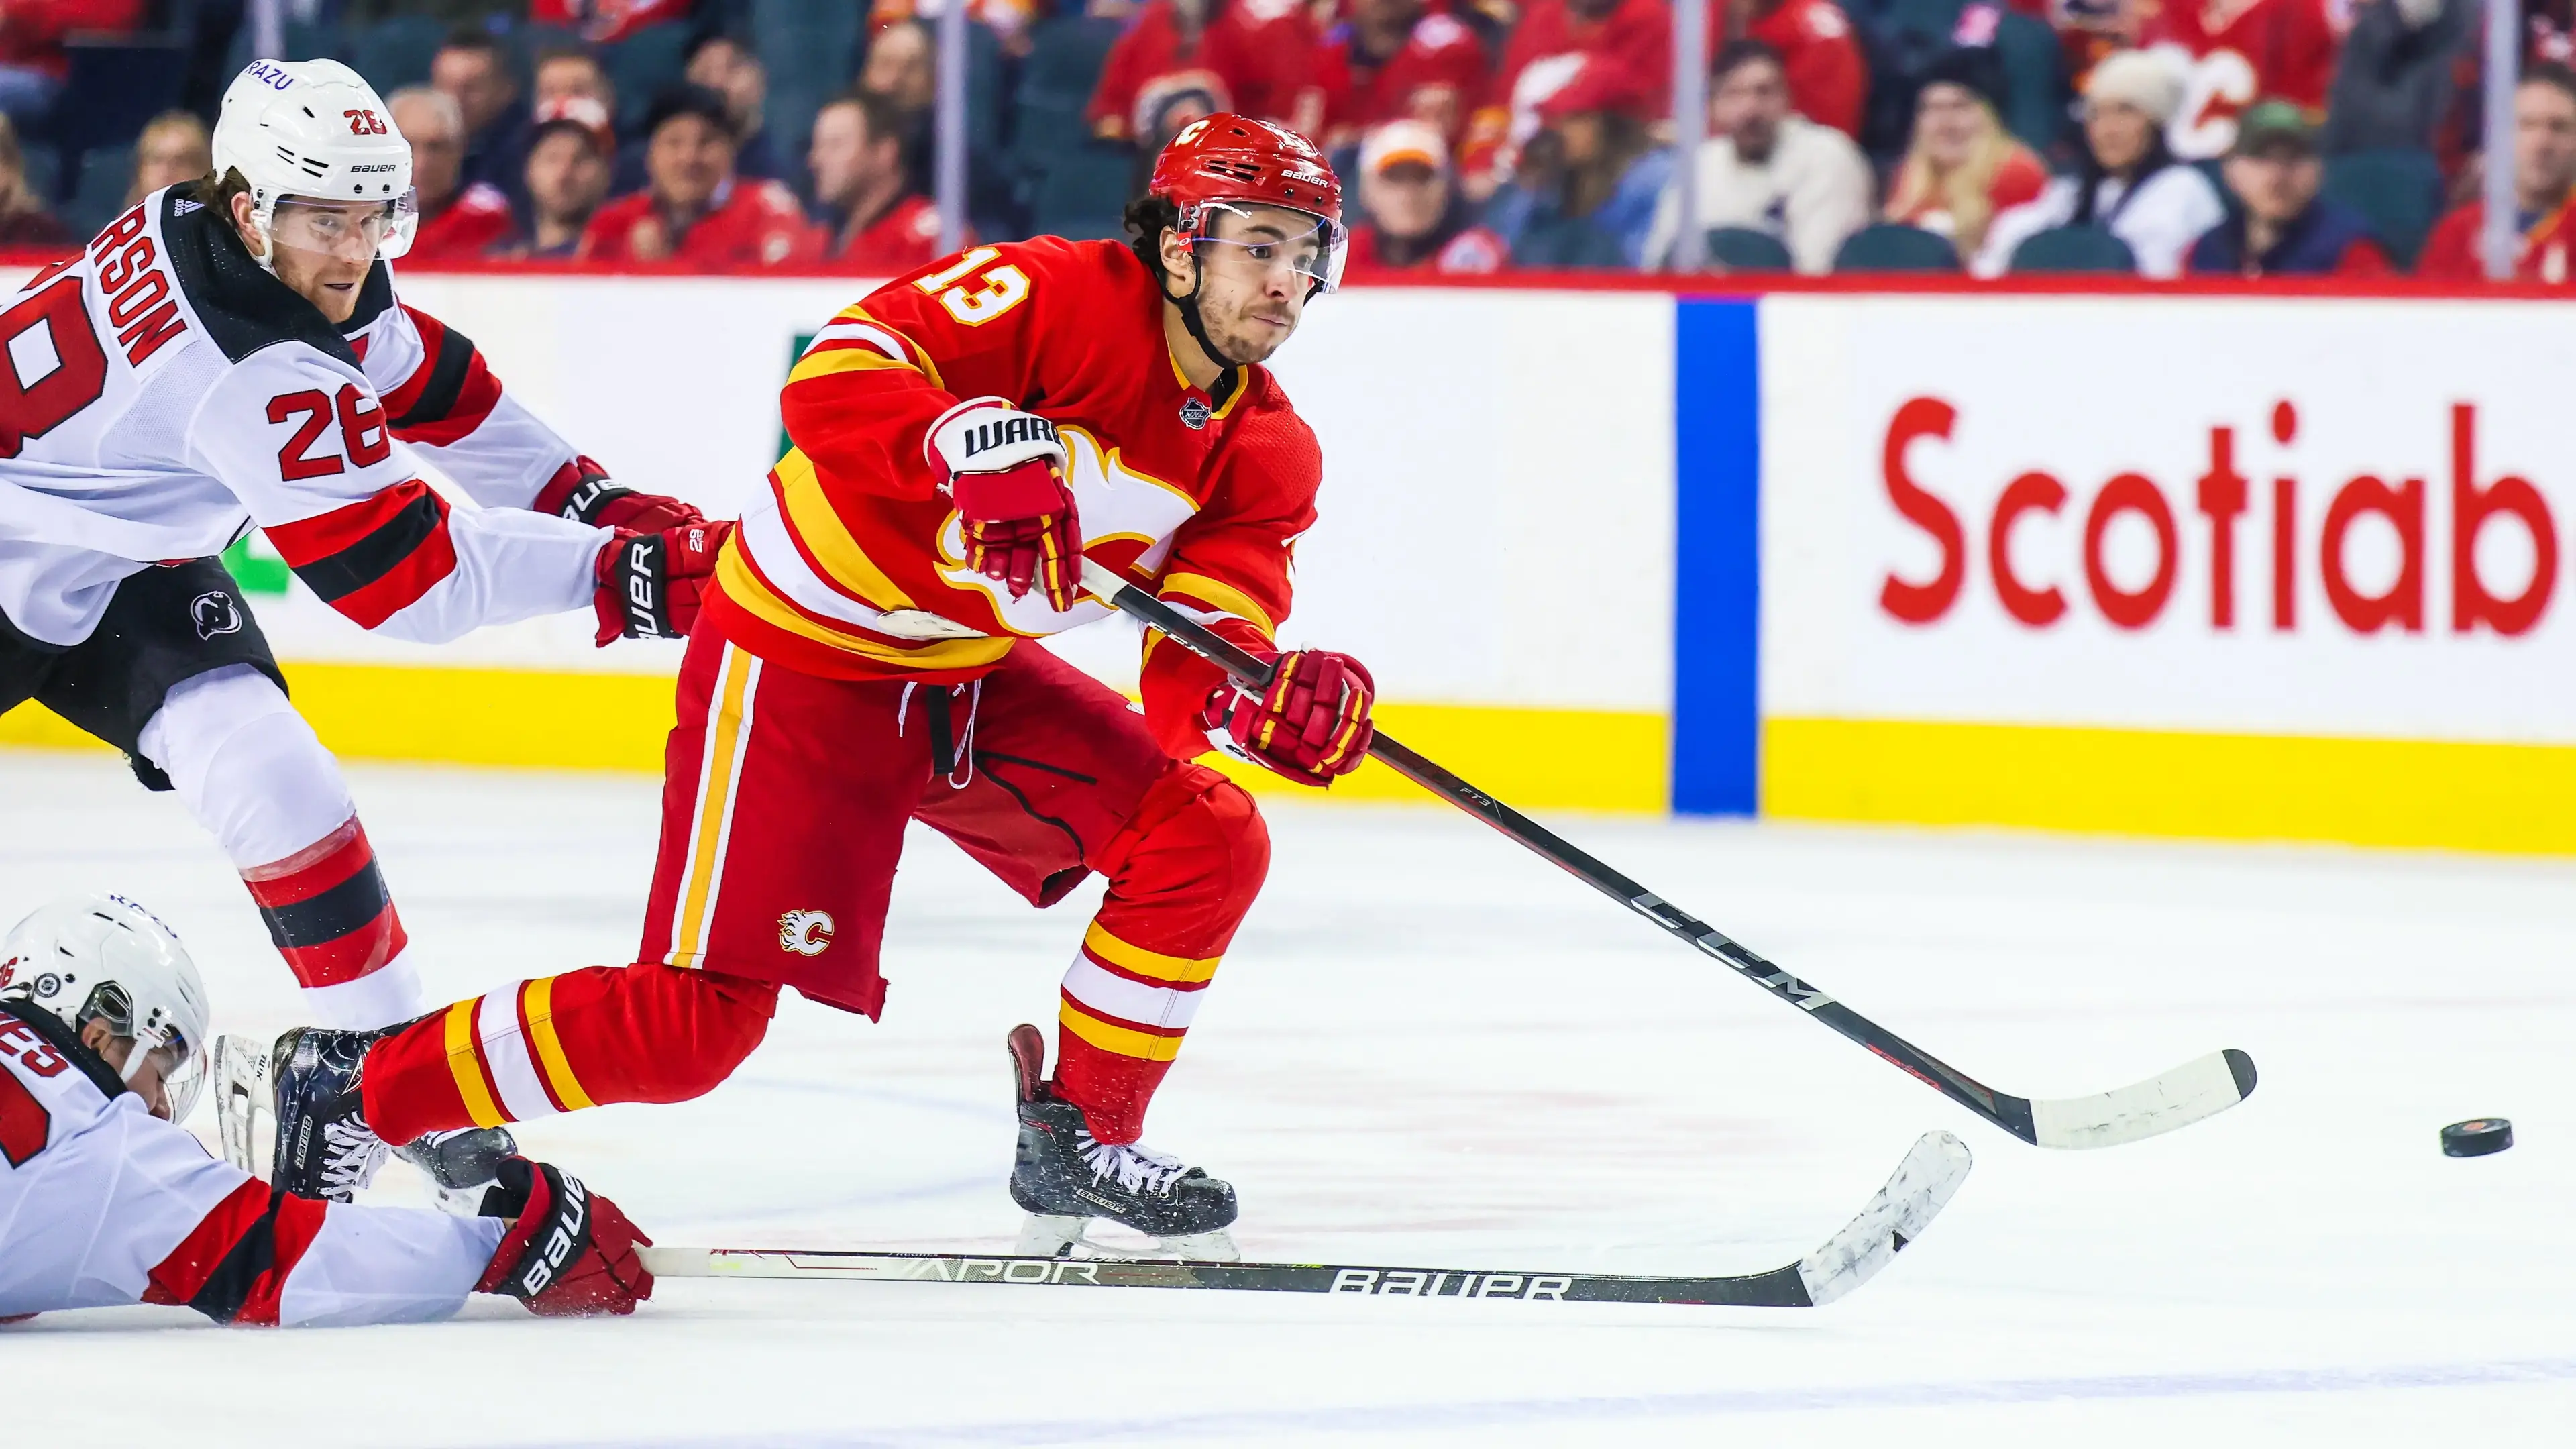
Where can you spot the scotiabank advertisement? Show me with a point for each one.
(2270, 568)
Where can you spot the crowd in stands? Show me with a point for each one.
(2164, 138)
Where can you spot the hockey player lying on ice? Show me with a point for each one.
(963, 436)
(105, 1201)
(232, 352)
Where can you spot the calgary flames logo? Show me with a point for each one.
(805, 932)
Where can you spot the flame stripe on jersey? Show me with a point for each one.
(375, 557)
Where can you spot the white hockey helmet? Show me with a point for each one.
(87, 958)
(315, 130)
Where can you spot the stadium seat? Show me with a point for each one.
(112, 89)
(1083, 192)
(1742, 249)
(2399, 190)
(641, 66)
(1056, 80)
(395, 53)
(1888, 247)
(44, 171)
(304, 40)
(811, 53)
(105, 173)
(2085, 248)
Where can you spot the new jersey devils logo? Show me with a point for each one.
(805, 932)
(215, 613)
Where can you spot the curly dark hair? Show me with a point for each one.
(1148, 217)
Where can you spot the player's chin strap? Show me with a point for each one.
(1190, 318)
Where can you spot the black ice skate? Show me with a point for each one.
(463, 1165)
(325, 1149)
(1065, 1179)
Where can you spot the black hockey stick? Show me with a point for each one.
(2178, 1098)
(1924, 1181)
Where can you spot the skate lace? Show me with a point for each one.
(1135, 1167)
(350, 1156)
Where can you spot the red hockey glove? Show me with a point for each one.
(1311, 725)
(580, 491)
(1006, 474)
(650, 584)
(571, 1252)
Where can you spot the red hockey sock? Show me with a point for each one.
(1181, 876)
(327, 909)
(645, 1033)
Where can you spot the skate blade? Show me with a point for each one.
(245, 1104)
(1048, 1236)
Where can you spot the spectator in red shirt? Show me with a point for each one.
(1393, 59)
(569, 157)
(1962, 167)
(2281, 225)
(875, 222)
(694, 210)
(456, 219)
(2544, 190)
(1546, 50)
(32, 63)
(1181, 59)
(603, 21)
(2237, 52)
(1417, 221)
(1828, 79)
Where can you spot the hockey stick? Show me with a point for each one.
(2178, 1098)
(1931, 1172)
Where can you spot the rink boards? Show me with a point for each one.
(2278, 568)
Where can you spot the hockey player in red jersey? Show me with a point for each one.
(105, 1201)
(230, 354)
(2233, 53)
(964, 438)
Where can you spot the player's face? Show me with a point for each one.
(322, 249)
(151, 1082)
(1255, 270)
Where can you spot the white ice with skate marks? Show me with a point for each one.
(1426, 1048)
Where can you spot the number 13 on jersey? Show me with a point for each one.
(1004, 287)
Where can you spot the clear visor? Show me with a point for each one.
(355, 232)
(1258, 242)
(182, 1066)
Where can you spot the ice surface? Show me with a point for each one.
(1428, 1048)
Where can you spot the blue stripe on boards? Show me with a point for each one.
(1717, 575)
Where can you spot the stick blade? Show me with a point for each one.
(1924, 1182)
(2187, 1094)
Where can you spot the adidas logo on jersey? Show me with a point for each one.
(185, 206)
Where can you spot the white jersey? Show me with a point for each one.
(102, 1203)
(161, 394)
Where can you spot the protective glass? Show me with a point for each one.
(1251, 240)
(344, 231)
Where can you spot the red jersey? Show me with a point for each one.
(2454, 253)
(753, 224)
(1828, 80)
(602, 21)
(1252, 59)
(1547, 48)
(1437, 76)
(32, 31)
(853, 567)
(472, 223)
(905, 237)
(2238, 52)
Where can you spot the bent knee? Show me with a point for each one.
(690, 1029)
(1195, 829)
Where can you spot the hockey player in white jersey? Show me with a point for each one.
(230, 354)
(104, 1200)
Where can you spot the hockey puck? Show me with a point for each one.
(2477, 1137)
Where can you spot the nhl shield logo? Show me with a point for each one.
(805, 932)
(1195, 411)
(215, 613)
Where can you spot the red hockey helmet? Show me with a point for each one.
(1226, 162)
